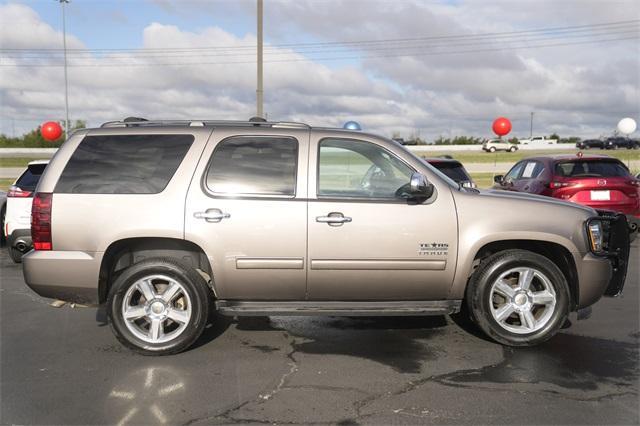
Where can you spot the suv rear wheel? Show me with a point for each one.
(158, 306)
(518, 298)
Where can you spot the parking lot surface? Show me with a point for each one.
(63, 366)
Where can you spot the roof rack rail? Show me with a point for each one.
(141, 122)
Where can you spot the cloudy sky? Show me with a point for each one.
(433, 68)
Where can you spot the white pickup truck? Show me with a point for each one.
(539, 140)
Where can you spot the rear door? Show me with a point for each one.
(365, 243)
(528, 180)
(247, 209)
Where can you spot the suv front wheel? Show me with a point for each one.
(518, 298)
(158, 306)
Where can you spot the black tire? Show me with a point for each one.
(513, 149)
(193, 283)
(15, 254)
(492, 149)
(478, 296)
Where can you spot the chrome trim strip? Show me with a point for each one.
(379, 264)
(269, 263)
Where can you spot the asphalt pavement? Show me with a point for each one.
(63, 366)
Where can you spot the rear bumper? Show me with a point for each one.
(71, 276)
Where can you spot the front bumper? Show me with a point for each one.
(604, 274)
(617, 252)
(71, 276)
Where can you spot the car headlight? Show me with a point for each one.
(595, 236)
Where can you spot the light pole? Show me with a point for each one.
(66, 81)
(259, 90)
(531, 128)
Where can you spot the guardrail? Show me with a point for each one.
(536, 147)
(27, 152)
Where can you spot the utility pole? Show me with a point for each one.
(259, 90)
(66, 81)
(531, 128)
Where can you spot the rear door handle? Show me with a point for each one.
(333, 219)
(212, 215)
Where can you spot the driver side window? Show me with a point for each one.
(357, 169)
(514, 173)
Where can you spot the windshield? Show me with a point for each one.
(591, 168)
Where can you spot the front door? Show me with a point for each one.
(366, 243)
(246, 208)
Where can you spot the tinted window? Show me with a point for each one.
(123, 164)
(350, 168)
(452, 170)
(584, 168)
(247, 165)
(29, 179)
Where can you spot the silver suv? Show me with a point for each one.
(167, 222)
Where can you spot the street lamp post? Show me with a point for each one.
(66, 81)
(531, 128)
(259, 90)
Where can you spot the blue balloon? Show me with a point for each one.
(352, 125)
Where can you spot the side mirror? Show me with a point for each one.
(419, 186)
(499, 179)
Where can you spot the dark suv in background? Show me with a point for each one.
(623, 142)
(453, 169)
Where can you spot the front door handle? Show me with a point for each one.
(212, 215)
(333, 219)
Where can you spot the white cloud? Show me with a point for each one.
(575, 91)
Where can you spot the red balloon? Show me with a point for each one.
(501, 126)
(51, 131)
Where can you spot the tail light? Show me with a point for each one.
(17, 192)
(556, 185)
(41, 221)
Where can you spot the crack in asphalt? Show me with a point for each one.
(480, 378)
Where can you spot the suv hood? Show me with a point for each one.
(501, 194)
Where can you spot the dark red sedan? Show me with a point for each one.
(597, 181)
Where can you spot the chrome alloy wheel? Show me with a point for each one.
(522, 300)
(156, 309)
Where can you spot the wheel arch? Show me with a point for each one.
(559, 254)
(129, 251)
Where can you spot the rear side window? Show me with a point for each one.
(254, 165)
(453, 170)
(123, 164)
(532, 170)
(582, 168)
(30, 178)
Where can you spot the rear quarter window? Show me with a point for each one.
(123, 164)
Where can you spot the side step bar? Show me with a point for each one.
(331, 308)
